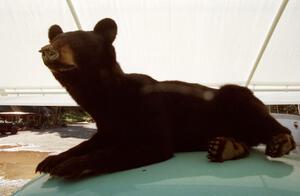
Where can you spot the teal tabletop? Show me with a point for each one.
(186, 174)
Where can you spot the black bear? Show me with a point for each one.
(141, 120)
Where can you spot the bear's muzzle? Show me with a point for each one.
(49, 54)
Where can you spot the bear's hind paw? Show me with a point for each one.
(280, 145)
(223, 148)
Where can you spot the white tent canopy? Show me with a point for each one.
(203, 41)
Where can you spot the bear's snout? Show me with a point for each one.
(49, 54)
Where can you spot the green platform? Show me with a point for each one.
(188, 174)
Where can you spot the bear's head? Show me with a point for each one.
(81, 51)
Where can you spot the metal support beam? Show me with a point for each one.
(74, 14)
(275, 90)
(267, 39)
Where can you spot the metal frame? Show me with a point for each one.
(31, 91)
(267, 39)
(17, 91)
(74, 14)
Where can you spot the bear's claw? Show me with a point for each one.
(49, 163)
(73, 168)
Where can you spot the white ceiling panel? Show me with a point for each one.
(199, 41)
(203, 41)
(23, 31)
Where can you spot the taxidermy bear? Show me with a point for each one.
(142, 121)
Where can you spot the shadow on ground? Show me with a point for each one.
(3, 135)
(75, 131)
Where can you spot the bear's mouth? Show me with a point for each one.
(58, 60)
(60, 67)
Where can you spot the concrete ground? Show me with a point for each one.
(20, 154)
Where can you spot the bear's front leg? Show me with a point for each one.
(51, 162)
(74, 167)
(112, 159)
(225, 148)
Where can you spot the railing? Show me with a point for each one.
(259, 87)
(10, 91)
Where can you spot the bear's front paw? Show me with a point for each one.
(280, 145)
(49, 163)
(223, 148)
(73, 168)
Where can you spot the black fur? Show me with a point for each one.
(140, 120)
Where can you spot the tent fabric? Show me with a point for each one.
(203, 41)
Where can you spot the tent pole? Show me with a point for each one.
(74, 14)
(266, 41)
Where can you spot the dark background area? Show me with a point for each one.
(54, 116)
(284, 109)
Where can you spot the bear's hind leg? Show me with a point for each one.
(226, 148)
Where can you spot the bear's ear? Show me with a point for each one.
(54, 30)
(107, 28)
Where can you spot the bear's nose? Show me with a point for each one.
(49, 54)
